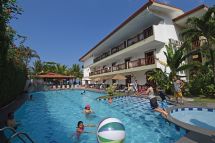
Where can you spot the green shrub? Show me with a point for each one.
(110, 90)
(12, 82)
(202, 84)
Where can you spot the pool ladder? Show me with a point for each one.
(17, 134)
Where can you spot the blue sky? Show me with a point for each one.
(64, 30)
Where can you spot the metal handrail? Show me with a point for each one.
(17, 134)
(5, 128)
(11, 129)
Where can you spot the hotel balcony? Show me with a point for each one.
(198, 43)
(130, 66)
(148, 32)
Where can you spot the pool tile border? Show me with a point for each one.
(182, 131)
(186, 126)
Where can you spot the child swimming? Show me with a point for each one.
(80, 128)
(87, 109)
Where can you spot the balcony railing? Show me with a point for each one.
(119, 67)
(106, 70)
(198, 43)
(131, 64)
(139, 37)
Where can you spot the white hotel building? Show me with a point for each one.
(136, 46)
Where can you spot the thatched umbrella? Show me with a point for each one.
(97, 79)
(119, 77)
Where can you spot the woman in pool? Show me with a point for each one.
(80, 128)
(153, 100)
(87, 109)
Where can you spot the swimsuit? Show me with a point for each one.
(154, 103)
(153, 100)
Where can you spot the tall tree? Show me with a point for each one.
(37, 67)
(61, 69)
(49, 67)
(176, 59)
(27, 54)
(8, 10)
(76, 71)
(203, 27)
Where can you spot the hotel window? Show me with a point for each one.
(149, 58)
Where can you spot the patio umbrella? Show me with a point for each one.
(119, 77)
(97, 79)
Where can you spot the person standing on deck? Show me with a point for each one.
(178, 84)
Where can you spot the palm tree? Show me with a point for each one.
(203, 27)
(61, 69)
(49, 67)
(37, 67)
(27, 54)
(175, 59)
(75, 70)
(161, 78)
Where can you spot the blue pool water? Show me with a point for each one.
(51, 117)
(201, 118)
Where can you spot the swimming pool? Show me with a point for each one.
(51, 117)
(201, 117)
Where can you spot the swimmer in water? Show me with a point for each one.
(82, 93)
(80, 128)
(87, 109)
(110, 100)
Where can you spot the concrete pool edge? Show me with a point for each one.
(193, 132)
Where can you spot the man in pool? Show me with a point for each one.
(153, 100)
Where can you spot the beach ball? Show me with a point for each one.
(111, 130)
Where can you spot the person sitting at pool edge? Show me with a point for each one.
(11, 122)
(87, 109)
(153, 100)
(80, 128)
(163, 98)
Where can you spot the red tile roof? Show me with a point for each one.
(52, 75)
(190, 12)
